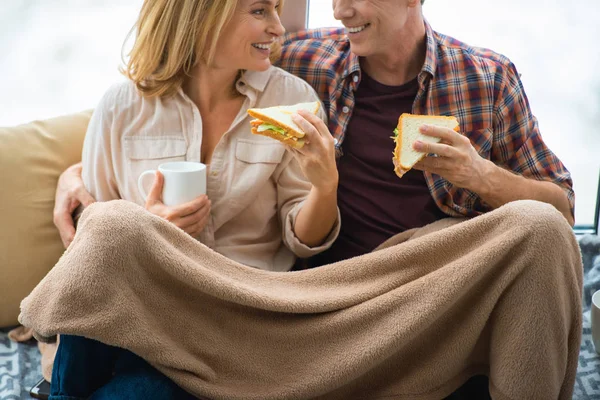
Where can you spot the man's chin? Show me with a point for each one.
(361, 50)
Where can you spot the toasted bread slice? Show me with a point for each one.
(407, 133)
(281, 117)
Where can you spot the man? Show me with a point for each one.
(388, 61)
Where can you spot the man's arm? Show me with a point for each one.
(95, 173)
(521, 166)
(502, 186)
(459, 163)
(70, 194)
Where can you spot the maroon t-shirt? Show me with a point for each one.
(374, 203)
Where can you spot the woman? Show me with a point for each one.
(195, 68)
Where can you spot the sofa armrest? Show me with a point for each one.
(32, 156)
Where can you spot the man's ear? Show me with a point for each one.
(295, 15)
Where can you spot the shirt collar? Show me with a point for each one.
(256, 80)
(352, 65)
(430, 64)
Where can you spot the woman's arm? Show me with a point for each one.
(310, 221)
(317, 160)
(317, 217)
(307, 191)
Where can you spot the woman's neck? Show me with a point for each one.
(211, 87)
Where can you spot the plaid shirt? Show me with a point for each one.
(479, 87)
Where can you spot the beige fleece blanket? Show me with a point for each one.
(498, 294)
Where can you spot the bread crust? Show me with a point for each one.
(399, 168)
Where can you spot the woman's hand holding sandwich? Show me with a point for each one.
(317, 161)
(317, 157)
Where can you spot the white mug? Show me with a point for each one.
(184, 181)
(595, 314)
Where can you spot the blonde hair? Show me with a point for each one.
(171, 38)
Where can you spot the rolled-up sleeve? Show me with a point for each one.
(518, 143)
(295, 245)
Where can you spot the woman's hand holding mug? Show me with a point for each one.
(178, 195)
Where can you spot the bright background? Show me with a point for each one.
(59, 56)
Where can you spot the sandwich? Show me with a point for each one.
(276, 122)
(407, 133)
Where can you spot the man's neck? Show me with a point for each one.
(401, 60)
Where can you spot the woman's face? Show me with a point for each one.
(246, 40)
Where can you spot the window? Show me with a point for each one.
(554, 46)
(59, 57)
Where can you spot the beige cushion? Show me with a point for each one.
(32, 156)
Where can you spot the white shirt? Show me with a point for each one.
(255, 185)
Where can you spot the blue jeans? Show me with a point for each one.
(85, 368)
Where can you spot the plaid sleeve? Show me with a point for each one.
(518, 143)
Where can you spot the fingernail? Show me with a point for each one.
(424, 128)
(418, 145)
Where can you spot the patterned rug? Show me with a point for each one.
(20, 368)
(588, 372)
(20, 363)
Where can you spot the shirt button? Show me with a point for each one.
(214, 173)
(345, 110)
(355, 79)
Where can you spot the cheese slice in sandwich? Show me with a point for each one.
(276, 122)
(407, 133)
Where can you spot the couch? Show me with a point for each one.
(32, 156)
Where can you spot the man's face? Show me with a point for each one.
(372, 24)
